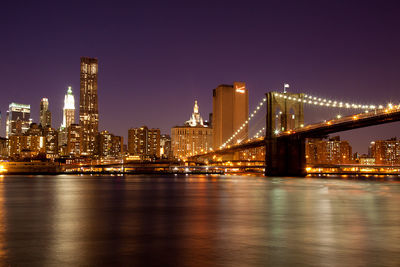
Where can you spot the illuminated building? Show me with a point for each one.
(332, 151)
(28, 145)
(165, 146)
(18, 119)
(386, 152)
(45, 114)
(51, 141)
(69, 109)
(109, 145)
(230, 111)
(144, 142)
(88, 106)
(74, 140)
(192, 138)
(3, 147)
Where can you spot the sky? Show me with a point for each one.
(157, 57)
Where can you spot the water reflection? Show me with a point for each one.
(198, 221)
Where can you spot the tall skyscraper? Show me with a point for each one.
(45, 114)
(69, 109)
(18, 119)
(230, 111)
(88, 106)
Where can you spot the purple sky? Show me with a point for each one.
(156, 58)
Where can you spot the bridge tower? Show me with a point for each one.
(285, 156)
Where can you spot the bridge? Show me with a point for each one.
(284, 134)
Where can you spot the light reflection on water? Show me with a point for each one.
(198, 220)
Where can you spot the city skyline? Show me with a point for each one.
(187, 68)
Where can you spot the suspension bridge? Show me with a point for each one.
(283, 133)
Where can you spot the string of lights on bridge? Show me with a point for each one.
(317, 101)
(306, 99)
(243, 126)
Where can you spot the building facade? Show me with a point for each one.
(109, 145)
(192, 138)
(45, 114)
(331, 151)
(18, 119)
(28, 145)
(88, 104)
(144, 142)
(230, 111)
(51, 141)
(386, 152)
(165, 146)
(75, 140)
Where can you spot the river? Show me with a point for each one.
(198, 220)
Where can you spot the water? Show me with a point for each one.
(198, 221)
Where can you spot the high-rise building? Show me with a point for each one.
(18, 119)
(192, 138)
(386, 152)
(74, 143)
(230, 111)
(331, 151)
(88, 106)
(144, 142)
(69, 109)
(45, 114)
(165, 146)
(51, 140)
(109, 145)
(3, 147)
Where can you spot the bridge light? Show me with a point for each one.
(355, 117)
(339, 116)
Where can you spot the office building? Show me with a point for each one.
(230, 111)
(18, 119)
(45, 114)
(88, 104)
(194, 137)
(144, 142)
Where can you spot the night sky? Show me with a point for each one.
(156, 58)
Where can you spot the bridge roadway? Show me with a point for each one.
(297, 138)
(321, 129)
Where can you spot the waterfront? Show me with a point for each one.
(198, 220)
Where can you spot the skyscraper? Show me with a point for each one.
(45, 114)
(18, 119)
(88, 106)
(69, 109)
(230, 111)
